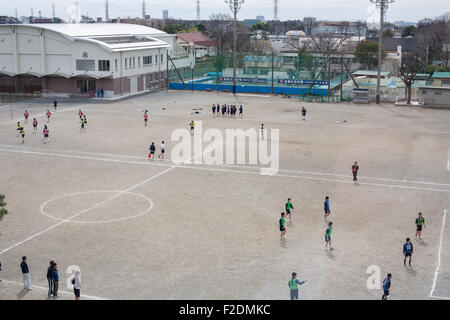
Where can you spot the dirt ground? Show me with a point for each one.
(141, 229)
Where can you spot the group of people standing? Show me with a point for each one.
(21, 131)
(52, 278)
(227, 111)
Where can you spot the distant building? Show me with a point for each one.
(260, 18)
(339, 28)
(201, 44)
(249, 22)
(8, 20)
(165, 14)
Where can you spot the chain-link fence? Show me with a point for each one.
(300, 74)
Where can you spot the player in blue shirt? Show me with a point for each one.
(386, 287)
(326, 206)
(408, 251)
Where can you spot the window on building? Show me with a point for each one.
(139, 62)
(162, 58)
(437, 92)
(115, 64)
(103, 65)
(156, 59)
(85, 65)
(424, 91)
(147, 60)
(151, 77)
(126, 63)
(134, 62)
(161, 76)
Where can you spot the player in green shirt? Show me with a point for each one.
(288, 208)
(328, 235)
(420, 222)
(282, 223)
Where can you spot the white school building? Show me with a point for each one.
(82, 59)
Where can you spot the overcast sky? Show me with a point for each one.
(408, 10)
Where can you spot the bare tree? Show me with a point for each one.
(308, 23)
(408, 69)
(219, 28)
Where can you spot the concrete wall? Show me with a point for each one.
(435, 96)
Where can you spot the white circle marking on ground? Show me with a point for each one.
(99, 221)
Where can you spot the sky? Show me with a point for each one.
(351, 10)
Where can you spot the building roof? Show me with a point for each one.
(111, 36)
(441, 75)
(391, 44)
(196, 38)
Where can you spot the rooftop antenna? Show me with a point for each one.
(275, 10)
(198, 9)
(106, 11)
(143, 9)
(53, 11)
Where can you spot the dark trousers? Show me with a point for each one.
(55, 288)
(50, 286)
(294, 294)
(354, 176)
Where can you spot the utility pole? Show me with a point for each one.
(382, 5)
(235, 6)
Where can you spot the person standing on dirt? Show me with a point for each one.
(408, 251)
(152, 151)
(55, 279)
(293, 286)
(355, 169)
(55, 103)
(386, 287)
(303, 113)
(49, 278)
(420, 222)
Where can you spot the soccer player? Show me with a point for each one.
(262, 130)
(407, 251)
(328, 235)
(192, 124)
(326, 206)
(35, 123)
(48, 114)
(22, 132)
(214, 110)
(145, 118)
(54, 105)
(355, 169)
(26, 115)
(289, 206)
(152, 151)
(420, 222)
(293, 285)
(161, 155)
(303, 113)
(80, 114)
(240, 111)
(282, 226)
(45, 131)
(386, 287)
(85, 119)
(82, 126)
(19, 128)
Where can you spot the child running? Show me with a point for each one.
(26, 115)
(326, 206)
(328, 235)
(282, 223)
(80, 114)
(35, 123)
(45, 131)
(420, 222)
(19, 128)
(145, 118)
(192, 124)
(289, 206)
(48, 114)
(161, 155)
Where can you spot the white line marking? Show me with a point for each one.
(439, 256)
(223, 170)
(448, 159)
(86, 210)
(59, 291)
(18, 148)
(436, 297)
